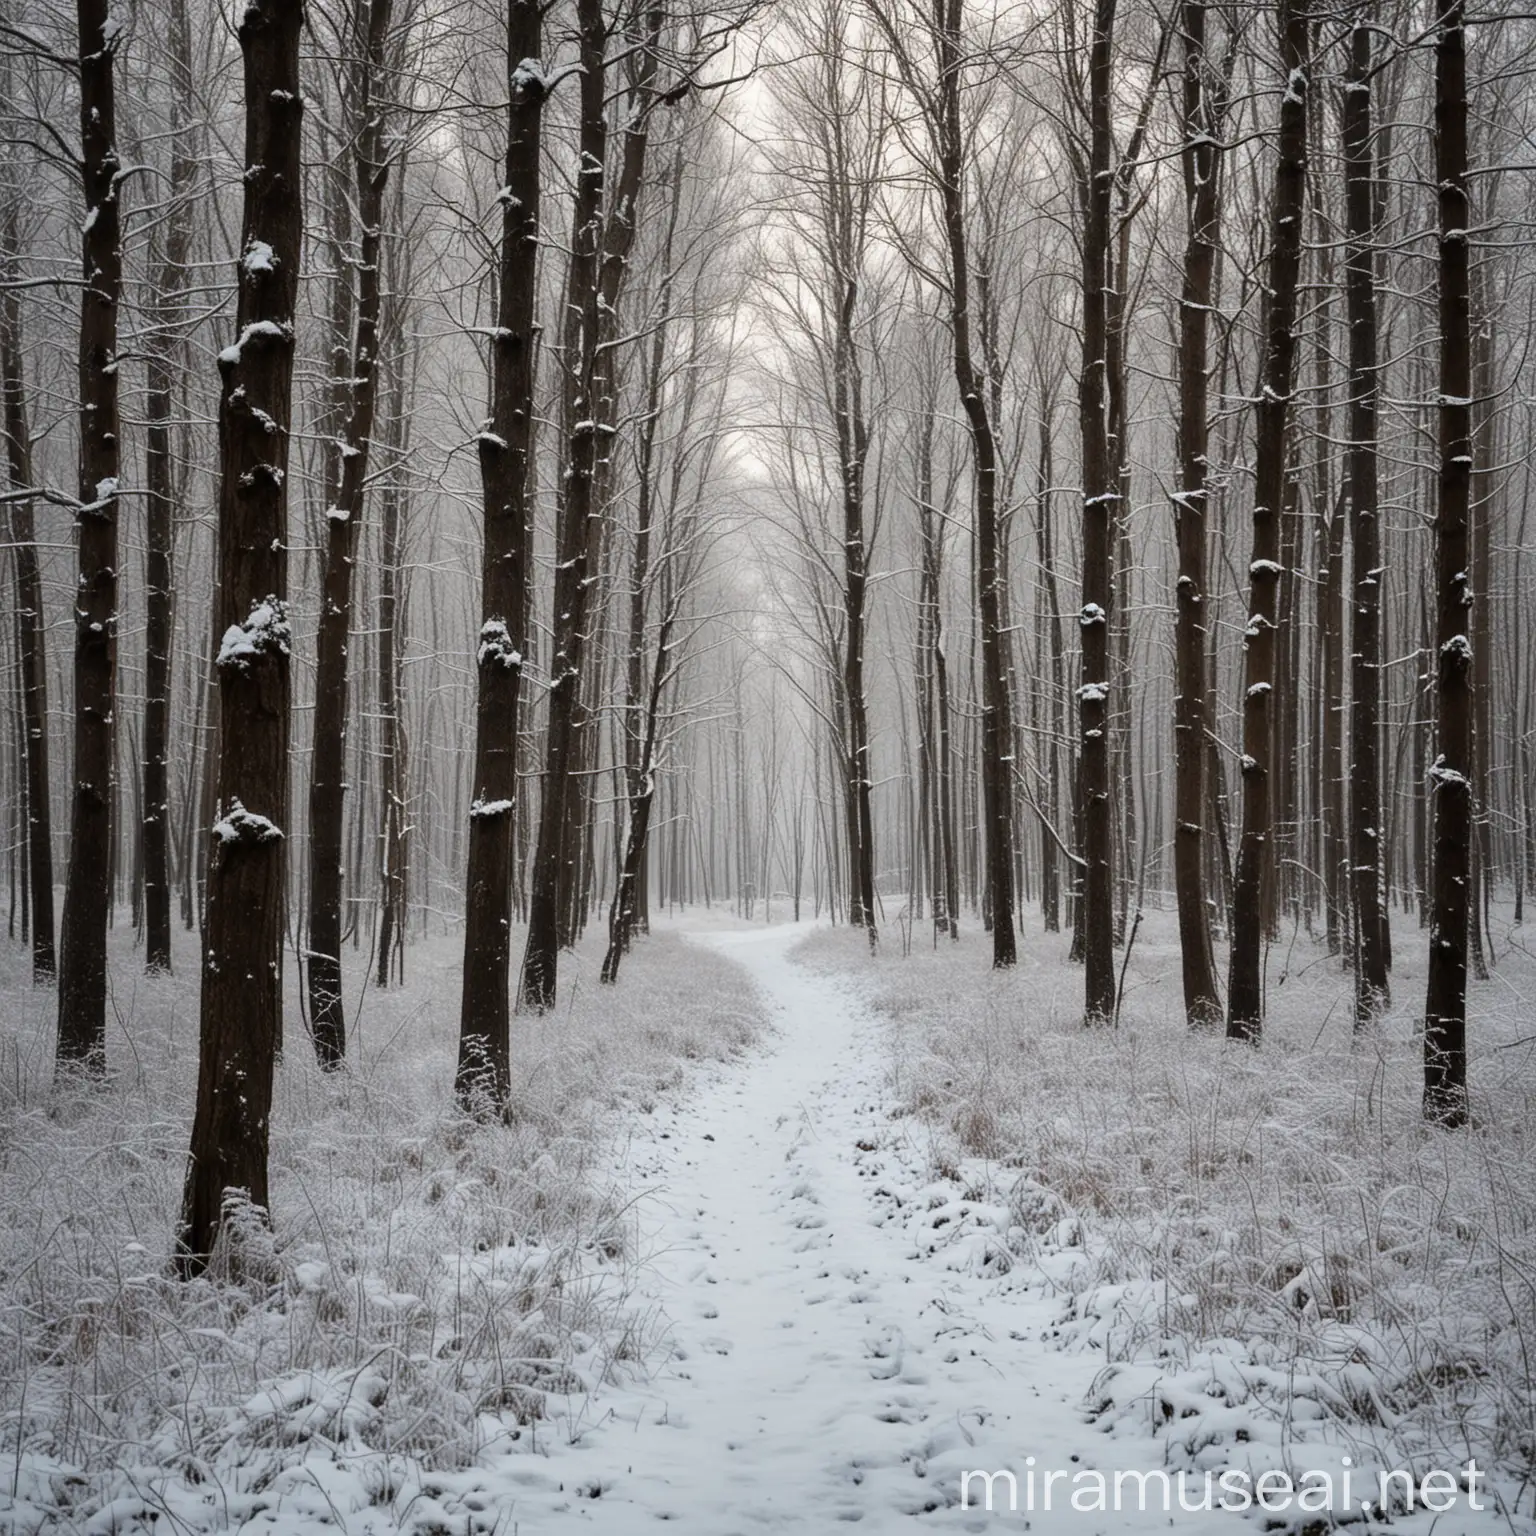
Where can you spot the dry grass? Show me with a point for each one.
(430, 1287)
(1285, 1212)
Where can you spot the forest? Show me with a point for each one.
(577, 566)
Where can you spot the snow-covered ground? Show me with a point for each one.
(820, 1366)
(829, 1316)
(841, 1331)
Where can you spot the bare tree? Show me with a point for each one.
(1365, 842)
(166, 357)
(242, 1005)
(931, 59)
(1204, 102)
(31, 660)
(602, 233)
(365, 38)
(1101, 497)
(1245, 993)
(1445, 1003)
(82, 1041)
(484, 1069)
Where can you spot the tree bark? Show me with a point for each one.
(1245, 992)
(853, 453)
(31, 658)
(394, 835)
(996, 712)
(483, 1079)
(1445, 1005)
(368, 121)
(1365, 811)
(1101, 495)
(1200, 157)
(82, 1041)
(599, 254)
(165, 359)
(242, 1006)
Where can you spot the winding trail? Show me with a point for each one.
(823, 1370)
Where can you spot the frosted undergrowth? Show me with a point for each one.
(1266, 1247)
(433, 1293)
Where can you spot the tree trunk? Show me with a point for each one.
(1245, 992)
(997, 763)
(1445, 1005)
(1365, 809)
(621, 918)
(853, 452)
(31, 657)
(165, 360)
(368, 123)
(599, 255)
(82, 1038)
(1101, 493)
(1203, 111)
(242, 1005)
(394, 504)
(483, 1080)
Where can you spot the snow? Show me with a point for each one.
(824, 1310)
(259, 257)
(265, 629)
(1093, 693)
(1092, 614)
(529, 72)
(260, 328)
(1441, 773)
(845, 1333)
(489, 808)
(238, 825)
(496, 645)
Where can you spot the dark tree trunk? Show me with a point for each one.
(483, 1078)
(242, 1004)
(621, 918)
(853, 452)
(369, 147)
(82, 1038)
(1336, 874)
(996, 705)
(934, 669)
(1365, 808)
(31, 659)
(1482, 510)
(1203, 111)
(1051, 683)
(166, 358)
(1445, 1005)
(629, 911)
(1101, 493)
(1245, 992)
(599, 254)
(393, 832)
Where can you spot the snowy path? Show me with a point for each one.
(823, 1371)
